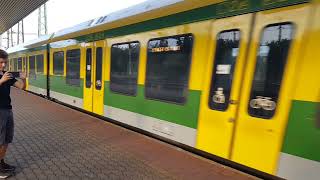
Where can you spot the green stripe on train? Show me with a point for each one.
(185, 115)
(58, 84)
(220, 10)
(303, 136)
(40, 81)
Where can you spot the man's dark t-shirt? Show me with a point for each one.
(5, 100)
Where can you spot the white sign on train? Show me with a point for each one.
(223, 69)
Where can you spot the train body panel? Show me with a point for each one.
(299, 155)
(259, 133)
(237, 79)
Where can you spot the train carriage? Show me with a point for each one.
(237, 79)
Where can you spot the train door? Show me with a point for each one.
(220, 101)
(98, 84)
(88, 91)
(94, 82)
(249, 85)
(268, 86)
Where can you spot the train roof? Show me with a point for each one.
(30, 44)
(147, 10)
(121, 14)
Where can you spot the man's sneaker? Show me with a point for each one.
(6, 167)
(4, 174)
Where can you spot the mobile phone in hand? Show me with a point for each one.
(15, 74)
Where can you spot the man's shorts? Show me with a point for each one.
(6, 126)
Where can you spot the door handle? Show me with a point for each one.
(233, 101)
(231, 120)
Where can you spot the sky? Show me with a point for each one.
(66, 13)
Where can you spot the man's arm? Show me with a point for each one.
(21, 81)
(19, 84)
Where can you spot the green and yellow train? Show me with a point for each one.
(236, 78)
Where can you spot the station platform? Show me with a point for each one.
(53, 141)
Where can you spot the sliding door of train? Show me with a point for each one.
(220, 100)
(250, 85)
(98, 84)
(268, 86)
(87, 88)
(93, 83)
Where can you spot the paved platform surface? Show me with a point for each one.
(55, 142)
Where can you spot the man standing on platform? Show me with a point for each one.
(6, 117)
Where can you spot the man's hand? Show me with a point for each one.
(6, 77)
(21, 81)
(19, 84)
(23, 75)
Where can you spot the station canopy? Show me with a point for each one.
(13, 11)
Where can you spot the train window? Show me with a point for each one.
(88, 67)
(73, 67)
(99, 55)
(227, 48)
(32, 67)
(168, 67)
(58, 63)
(12, 65)
(19, 62)
(25, 65)
(15, 65)
(39, 63)
(7, 67)
(124, 68)
(271, 60)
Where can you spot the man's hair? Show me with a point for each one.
(3, 54)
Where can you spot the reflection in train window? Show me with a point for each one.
(73, 67)
(24, 68)
(99, 56)
(58, 63)
(15, 65)
(19, 64)
(39, 63)
(124, 68)
(88, 67)
(271, 60)
(32, 67)
(227, 50)
(10, 65)
(168, 66)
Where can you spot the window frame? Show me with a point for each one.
(292, 41)
(19, 59)
(98, 88)
(33, 76)
(189, 70)
(66, 66)
(64, 62)
(15, 64)
(213, 74)
(91, 67)
(36, 63)
(139, 55)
